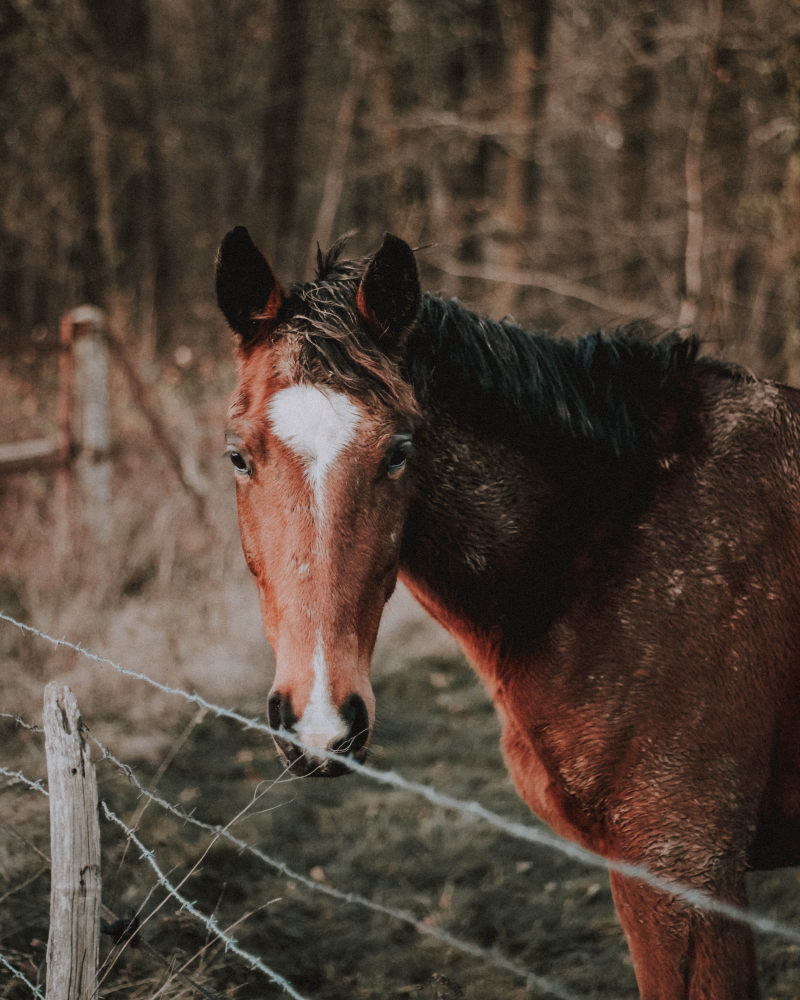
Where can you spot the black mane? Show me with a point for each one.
(601, 389)
(599, 417)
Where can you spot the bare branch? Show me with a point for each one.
(628, 308)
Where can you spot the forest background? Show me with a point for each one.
(570, 162)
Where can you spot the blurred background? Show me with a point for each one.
(569, 161)
(574, 164)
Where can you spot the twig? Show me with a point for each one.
(141, 395)
(173, 752)
(337, 153)
(694, 178)
(443, 936)
(208, 921)
(23, 840)
(129, 773)
(548, 282)
(25, 884)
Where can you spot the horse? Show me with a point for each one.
(609, 526)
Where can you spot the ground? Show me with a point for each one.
(530, 905)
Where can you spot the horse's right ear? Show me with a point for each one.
(247, 291)
(388, 296)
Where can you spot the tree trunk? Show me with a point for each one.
(282, 129)
(641, 89)
(526, 30)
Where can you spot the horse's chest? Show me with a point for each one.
(540, 783)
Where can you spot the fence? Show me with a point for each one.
(544, 984)
(88, 345)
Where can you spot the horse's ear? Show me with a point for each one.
(247, 291)
(389, 294)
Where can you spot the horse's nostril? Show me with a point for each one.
(274, 711)
(305, 759)
(355, 714)
(280, 712)
(283, 720)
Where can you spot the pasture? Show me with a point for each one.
(168, 595)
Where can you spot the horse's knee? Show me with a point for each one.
(681, 953)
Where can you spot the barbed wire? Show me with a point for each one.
(530, 978)
(696, 898)
(21, 722)
(492, 957)
(19, 776)
(37, 786)
(209, 922)
(22, 977)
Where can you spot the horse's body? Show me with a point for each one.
(611, 529)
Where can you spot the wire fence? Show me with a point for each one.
(474, 810)
(35, 991)
(531, 979)
(342, 896)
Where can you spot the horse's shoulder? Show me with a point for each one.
(758, 413)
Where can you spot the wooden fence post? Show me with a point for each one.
(91, 426)
(64, 417)
(73, 946)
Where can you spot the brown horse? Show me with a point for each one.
(610, 527)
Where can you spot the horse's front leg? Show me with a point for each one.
(680, 953)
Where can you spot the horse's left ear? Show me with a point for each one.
(247, 291)
(389, 294)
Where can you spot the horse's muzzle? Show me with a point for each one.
(330, 762)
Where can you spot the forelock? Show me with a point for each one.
(327, 341)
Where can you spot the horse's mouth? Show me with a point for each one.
(301, 764)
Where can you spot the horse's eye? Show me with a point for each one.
(240, 463)
(397, 455)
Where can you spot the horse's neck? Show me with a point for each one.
(530, 470)
(471, 525)
(500, 543)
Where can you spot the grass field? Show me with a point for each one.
(168, 595)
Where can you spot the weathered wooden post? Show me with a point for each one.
(91, 424)
(74, 944)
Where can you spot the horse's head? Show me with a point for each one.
(319, 432)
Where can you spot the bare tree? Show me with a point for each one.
(620, 154)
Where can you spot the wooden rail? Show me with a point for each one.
(22, 455)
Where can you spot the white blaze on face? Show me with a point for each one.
(321, 724)
(317, 424)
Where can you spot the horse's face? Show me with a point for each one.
(321, 491)
(322, 484)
